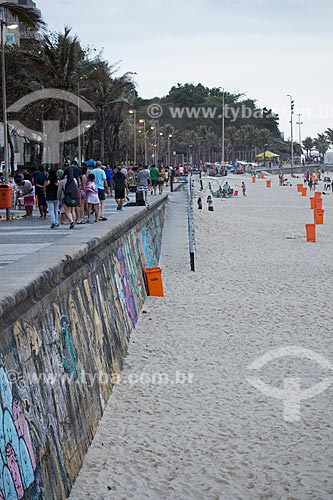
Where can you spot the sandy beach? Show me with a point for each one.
(184, 422)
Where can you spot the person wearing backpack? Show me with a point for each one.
(68, 195)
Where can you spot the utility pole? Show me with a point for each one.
(292, 106)
(223, 131)
(299, 123)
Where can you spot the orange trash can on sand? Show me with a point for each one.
(304, 191)
(262, 176)
(154, 281)
(254, 179)
(310, 233)
(299, 187)
(5, 196)
(318, 203)
(317, 194)
(312, 202)
(268, 183)
(319, 216)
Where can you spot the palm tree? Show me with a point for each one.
(29, 16)
(231, 137)
(308, 144)
(329, 135)
(321, 144)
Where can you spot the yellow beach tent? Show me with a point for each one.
(268, 155)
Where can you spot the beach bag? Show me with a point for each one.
(71, 198)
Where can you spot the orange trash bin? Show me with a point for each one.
(5, 196)
(254, 179)
(310, 233)
(262, 176)
(154, 281)
(319, 216)
(304, 191)
(317, 194)
(318, 203)
(312, 202)
(268, 183)
(299, 187)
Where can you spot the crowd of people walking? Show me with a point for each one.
(74, 194)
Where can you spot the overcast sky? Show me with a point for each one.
(266, 48)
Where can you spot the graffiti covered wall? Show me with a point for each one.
(59, 359)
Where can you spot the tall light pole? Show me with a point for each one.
(299, 123)
(169, 149)
(154, 127)
(145, 140)
(223, 128)
(4, 102)
(133, 112)
(292, 106)
(160, 135)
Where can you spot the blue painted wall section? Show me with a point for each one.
(58, 362)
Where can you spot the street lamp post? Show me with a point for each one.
(145, 140)
(4, 102)
(169, 149)
(133, 112)
(292, 105)
(154, 127)
(299, 123)
(223, 130)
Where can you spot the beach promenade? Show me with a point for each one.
(185, 422)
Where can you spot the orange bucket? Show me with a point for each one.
(312, 202)
(318, 203)
(262, 176)
(254, 179)
(154, 281)
(268, 183)
(317, 194)
(304, 190)
(319, 216)
(299, 187)
(310, 233)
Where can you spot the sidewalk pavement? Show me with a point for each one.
(21, 236)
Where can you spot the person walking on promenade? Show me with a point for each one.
(92, 198)
(143, 181)
(160, 180)
(83, 193)
(244, 188)
(210, 204)
(51, 194)
(101, 185)
(119, 185)
(27, 190)
(39, 180)
(130, 178)
(154, 173)
(68, 185)
(199, 204)
(109, 178)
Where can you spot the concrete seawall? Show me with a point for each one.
(66, 314)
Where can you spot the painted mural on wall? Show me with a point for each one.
(58, 349)
(17, 459)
